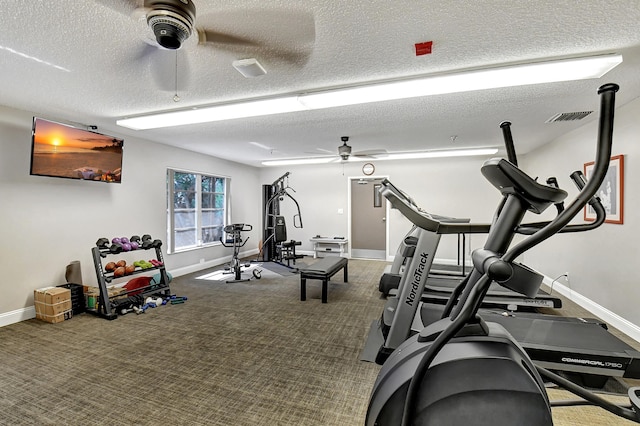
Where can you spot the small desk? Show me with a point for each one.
(329, 245)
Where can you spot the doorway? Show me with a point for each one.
(368, 211)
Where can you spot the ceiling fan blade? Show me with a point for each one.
(284, 35)
(372, 153)
(212, 37)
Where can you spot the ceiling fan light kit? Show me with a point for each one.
(490, 78)
(249, 67)
(171, 21)
(344, 150)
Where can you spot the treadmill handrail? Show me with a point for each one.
(447, 225)
(425, 220)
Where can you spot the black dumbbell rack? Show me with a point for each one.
(105, 308)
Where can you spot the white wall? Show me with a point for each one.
(48, 222)
(448, 186)
(601, 263)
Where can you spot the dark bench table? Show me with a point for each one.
(322, 270)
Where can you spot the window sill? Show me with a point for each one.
(194, 248)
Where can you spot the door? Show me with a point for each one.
(368, 219)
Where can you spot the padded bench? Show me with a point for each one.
(322, 270)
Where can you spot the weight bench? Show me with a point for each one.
(322, 270)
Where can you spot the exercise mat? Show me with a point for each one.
(247, 272)
(283, 270)
(73, 273)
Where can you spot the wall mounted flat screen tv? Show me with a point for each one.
(60, 150)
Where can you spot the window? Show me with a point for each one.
(197, 209)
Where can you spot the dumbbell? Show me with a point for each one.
(146, 241)
(114, 248)
(135, 242)
(102, 243)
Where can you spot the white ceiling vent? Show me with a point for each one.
(568, 116)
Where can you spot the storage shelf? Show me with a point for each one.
(329, 245)
(105, 307)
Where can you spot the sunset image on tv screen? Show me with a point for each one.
(62, 151)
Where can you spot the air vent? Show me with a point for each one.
(568, 116)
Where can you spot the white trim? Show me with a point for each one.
(611, 318)
(8, 318)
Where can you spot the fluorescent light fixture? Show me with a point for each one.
(213, 113)
(440, 154)
(490, 78)
(294, 161)
(249, 67)
(391, 156)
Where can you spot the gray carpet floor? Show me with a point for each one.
(246, 353)
(234, 354)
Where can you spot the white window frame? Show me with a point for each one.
(198, 208)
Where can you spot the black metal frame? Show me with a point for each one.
(104, 307)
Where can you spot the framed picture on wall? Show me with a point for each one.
(611, 191)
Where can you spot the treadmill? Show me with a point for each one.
(572, 345)
(582, 348)
(439, 287)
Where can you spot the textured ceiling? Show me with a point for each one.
(99, 65)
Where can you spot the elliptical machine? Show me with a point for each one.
(462, 370)
(234, 240)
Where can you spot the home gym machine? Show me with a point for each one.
(234, 240)
(463, 370)
(275, 247)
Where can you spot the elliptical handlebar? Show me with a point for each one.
(508, 142)
(594, 202)
(603, 154)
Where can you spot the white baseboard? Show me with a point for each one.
(601, 312)
(18, 315)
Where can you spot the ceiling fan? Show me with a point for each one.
(266, 34)
(345, 151)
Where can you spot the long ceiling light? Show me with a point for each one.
(491, 78)
(391, 156)
(509, 76)
(440, 154)
(294, 161)
(251, 108)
